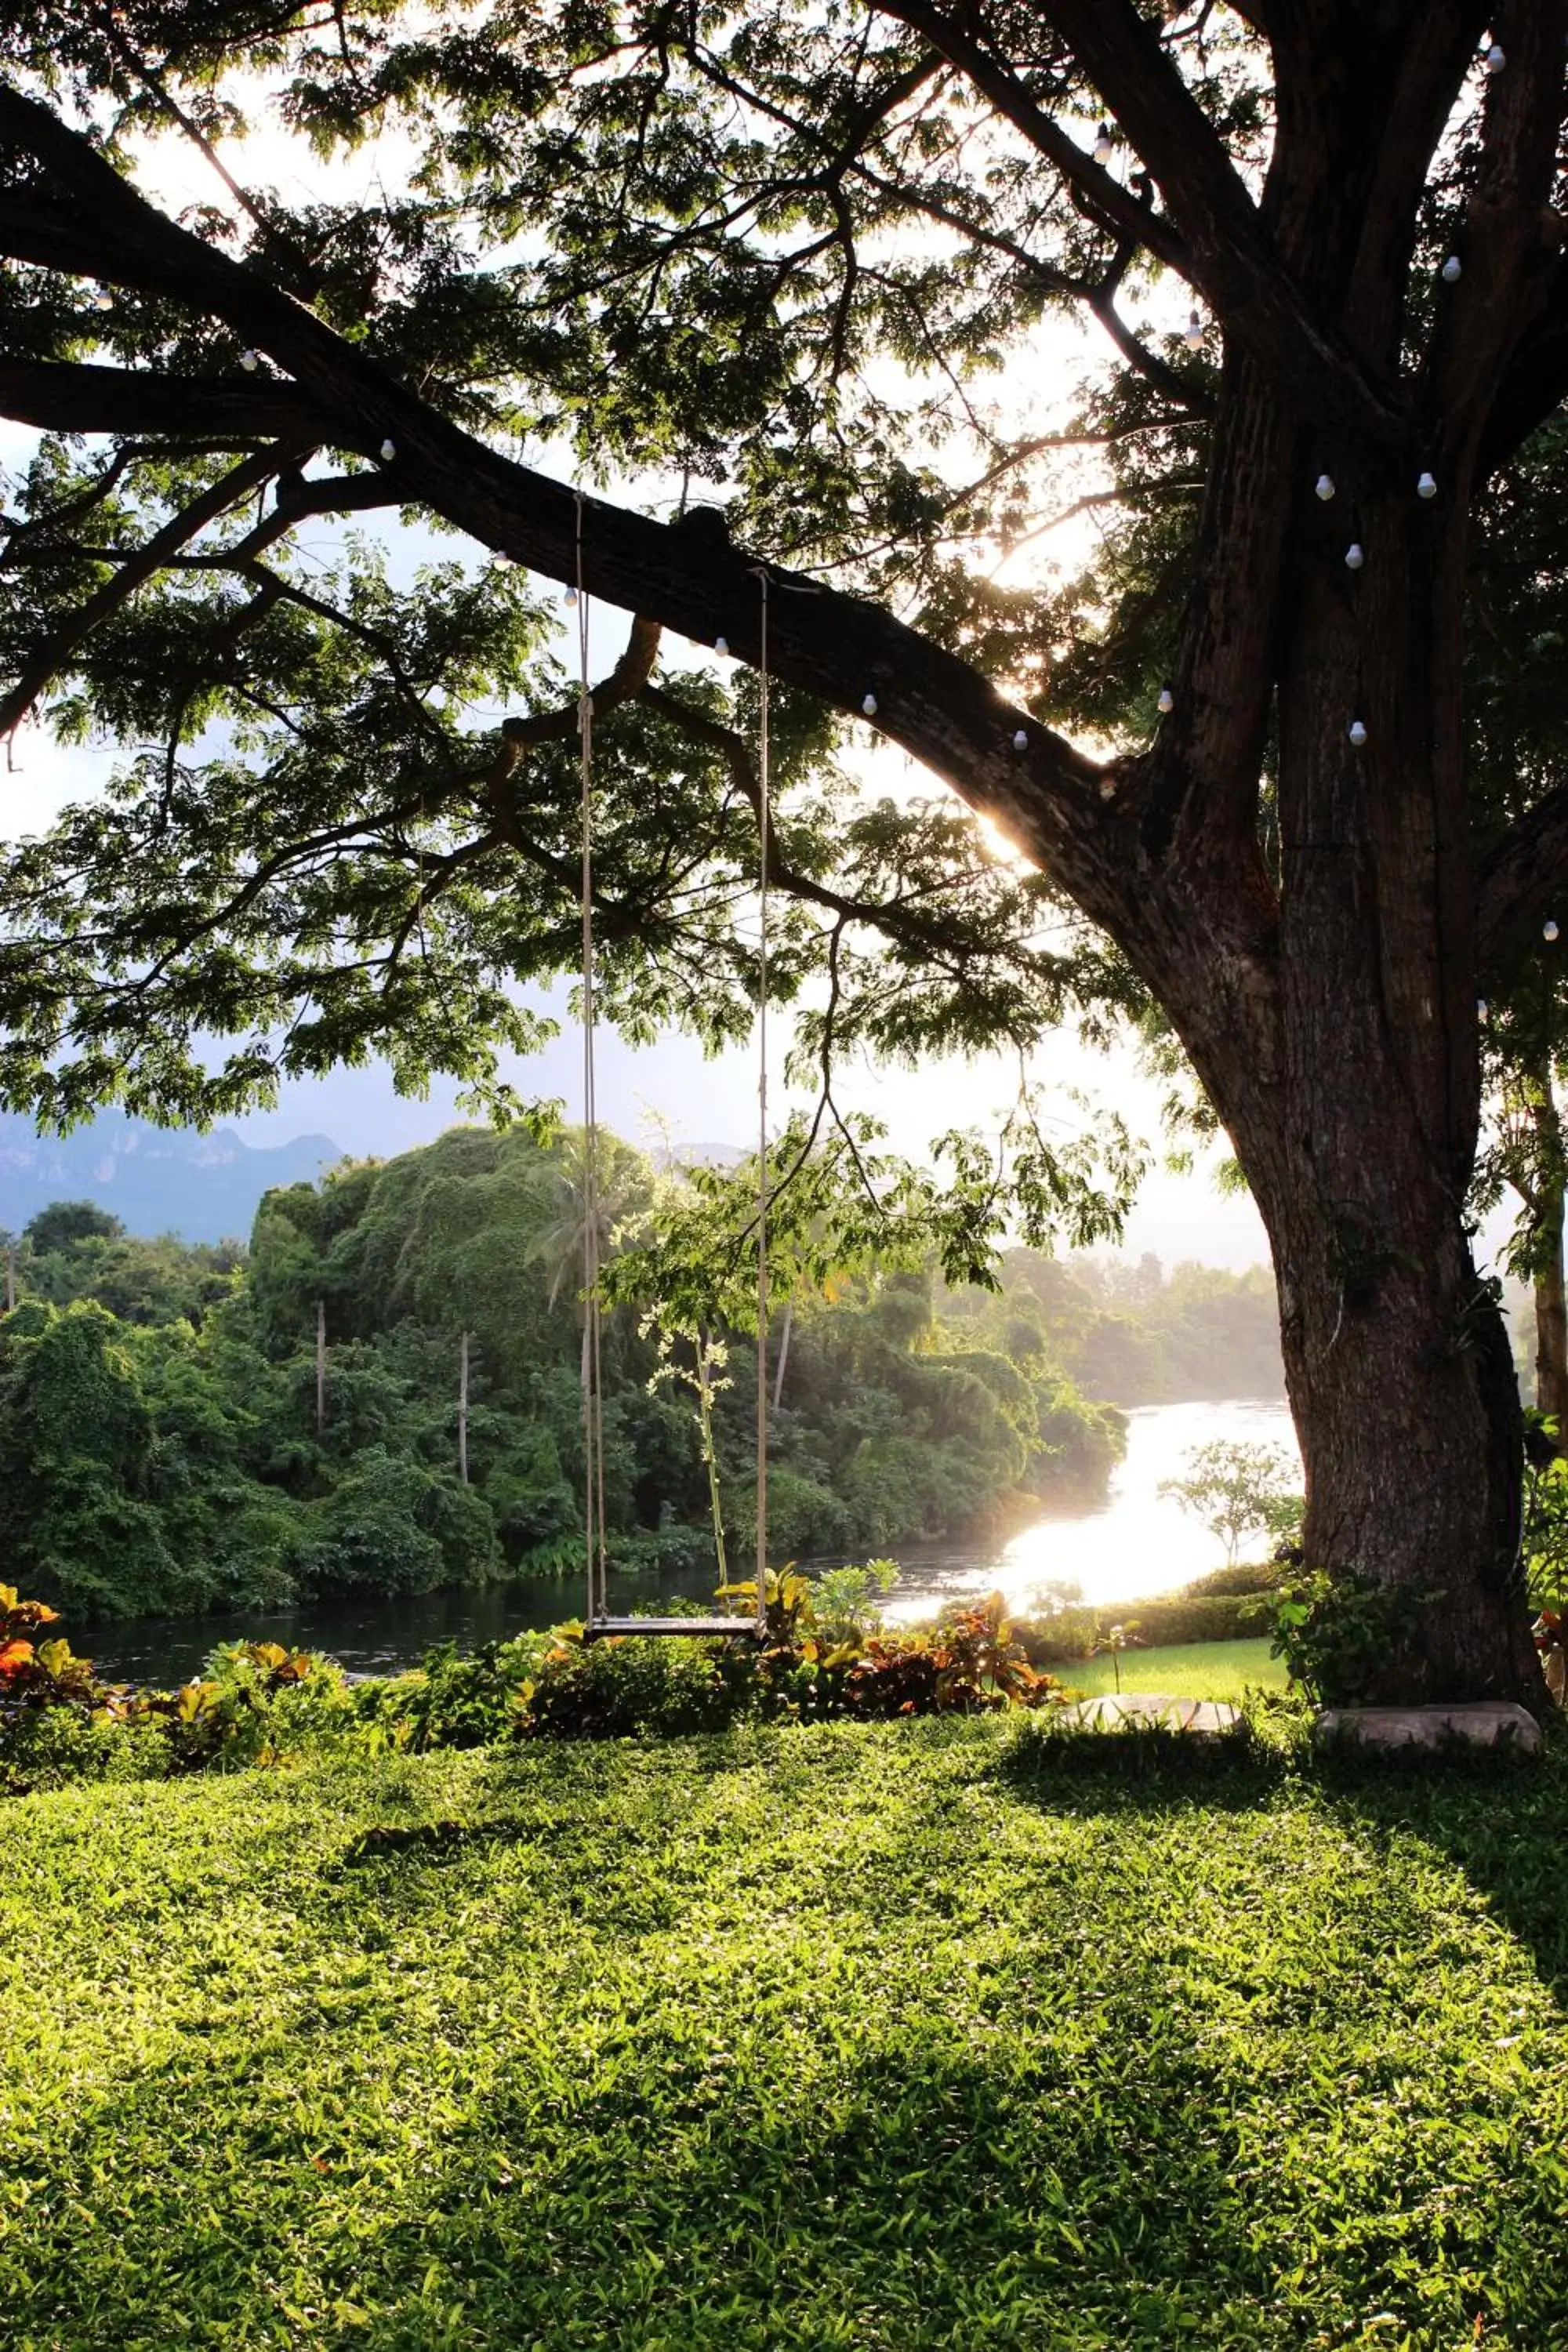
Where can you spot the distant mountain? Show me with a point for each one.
(155, 1180)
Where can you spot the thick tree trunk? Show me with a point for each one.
(1356, 1119)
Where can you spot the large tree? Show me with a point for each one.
(788, 246)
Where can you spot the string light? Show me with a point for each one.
(721, 646)
(1355, 556)
(102, 298)
(1105, 144)
(1549, 929)
(1494, 60)
(388, 451)
(1324, 486)
(1452, 270)
(1357, 732)
(571, 598)
(250, 361)
(1167, 701)
(1193, 337)
(1482, 1008)
(1020, 740)
(1427, 486)
(1107, 788)
(868, 705)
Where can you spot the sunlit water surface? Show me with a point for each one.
(1142, 1542)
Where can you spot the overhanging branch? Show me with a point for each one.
(58, 397)
(839, 648)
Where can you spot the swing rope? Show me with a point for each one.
(763, 796)
(598, 1617)
(593, 1363)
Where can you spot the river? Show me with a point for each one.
(1140, 1542)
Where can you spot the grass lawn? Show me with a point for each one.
(1187, 1670)
(888, 2038)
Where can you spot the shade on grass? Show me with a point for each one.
(1184, 1670)
(887, 2038)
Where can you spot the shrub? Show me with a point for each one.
(463, 1702)
(1334, 1632)
(54, 1748)
(610, 1689)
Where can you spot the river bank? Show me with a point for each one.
(1139, 1542)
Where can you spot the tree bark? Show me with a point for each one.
(1357, 1131)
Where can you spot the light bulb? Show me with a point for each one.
(1193, 337)
(1357, 733)
(1549, 929)
(868, 705)
(1167, 701)
(388, 451)
(1020, 740)
(1324, 486)
(1480, 1008)
(250, 361)
(571, 596)
(1105, 144)
(1452, 270)
(721, 645)
(1355, 556)
(1107, 788)
(1425, 486)
(102, 298)
(1494, 60)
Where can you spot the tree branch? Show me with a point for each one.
(46, 661)
(58, 397)
(1212, 235)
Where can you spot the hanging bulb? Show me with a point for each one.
(1020, 740)
(250, 361)
(388, 451)
(1105, 146)
(1167, 701)
(1482, 1008)
(721, 646)
(1324, 486)
(868, 705)
(1453, 270)
(1494, 60)
(1549, 929)
(103, 299)
(1355, 556)
(570, 597)
(1107, 788)
(1194, 336)
(1425, 486)
(1357, 733)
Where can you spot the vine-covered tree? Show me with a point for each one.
(810, 250)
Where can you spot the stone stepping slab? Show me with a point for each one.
(1477, 1723)
(1206, 1718)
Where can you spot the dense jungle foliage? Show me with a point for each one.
(159, 1443)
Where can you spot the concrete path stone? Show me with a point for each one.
(1478, 1723)
(1206, 1718)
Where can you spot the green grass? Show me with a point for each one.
(1187, 1670)
(886, 2038)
